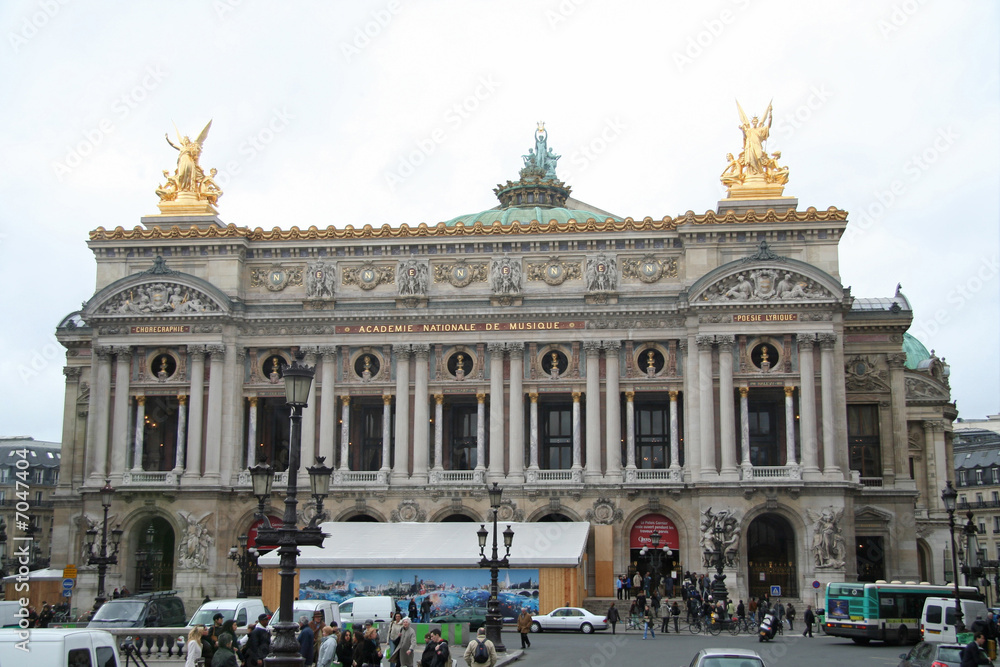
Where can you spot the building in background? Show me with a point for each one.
(977, 473)
(707, 378)
(29, 473)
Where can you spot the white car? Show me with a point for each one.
(569, 618)
(727, 657)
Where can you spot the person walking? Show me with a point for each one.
(425, 610)
(524, 626)
(790, 615)
(224, 655)
(307, 640)
(654, 602)
(194, 645)
(613, 618)
(973, 654)
(675, 611)
(407, 645)
(411, 611)
(328, 649)
(481, 650)
(259, 643)
(620, 585)
(345, 649)
(647, 624)
(668, 585)
(628, 587)
(809, 617)
(395, 627)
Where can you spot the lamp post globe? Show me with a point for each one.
(494, 619)
(949, 496)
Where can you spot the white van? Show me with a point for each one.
(937, 620)
(9, 617)
(59, 647)
(331, 612)
(242, 610)
(378, 608)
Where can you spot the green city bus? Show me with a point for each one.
(889, 612)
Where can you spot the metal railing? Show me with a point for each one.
(871, 482)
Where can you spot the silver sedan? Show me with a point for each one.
(569, 618)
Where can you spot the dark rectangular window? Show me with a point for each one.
(557, 437)
(863, 439)
(652, 436)
(464, 422)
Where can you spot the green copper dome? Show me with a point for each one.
(526, 215)
(915, 351)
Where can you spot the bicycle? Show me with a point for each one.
(633, 623)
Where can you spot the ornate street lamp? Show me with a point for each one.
(319, 482)
(284, 646)
(102, 559)
(494, 620)
(949, 496)
(972, 570)
(244, 559)
(719, 591)
(655, 555)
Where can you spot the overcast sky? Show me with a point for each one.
(335, 113)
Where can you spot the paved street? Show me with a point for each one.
(603, 649)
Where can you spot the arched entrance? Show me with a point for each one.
(253, 581)
(771, 556)
(458, 518)
(153, 545)
(363, 518)
(555, 516)
(656, 562)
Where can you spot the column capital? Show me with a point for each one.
(704, 342)
(673, 395)
(576, 396)
(345, 401)
(216, 350)
(123, 351)
(402, 351)
(827, 340)
(725, 339)
(682, 344)
(629, 396)
(533, 396)
(327, 350)
(421, 350)
(592, 347)
(72, 373)
(182, 399)
(140, 400)
(897, 360)
(439, 399)
(480, 397)
(495, 347)
(805, 342)
(789, 391)
(196, 351)
(744, 392)
(253, 401)
(516, 350)
(611, 344)
(386, 399)
(102, 352)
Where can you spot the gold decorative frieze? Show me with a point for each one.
(276, 277)
(649, 269)
(369, 275)
(554, 272)
(460, 274)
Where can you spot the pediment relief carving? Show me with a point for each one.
(863, 373)
(918, 388)
(764, 285)
(159, 298)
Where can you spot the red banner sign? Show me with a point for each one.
(644, 528)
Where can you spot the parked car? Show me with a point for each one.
(243, 610)
(331, 611)
(727, 657)
(60, 647)
(378, 608)
(147, 610)
(569, 618)
(937, 620)
(937, 654)
(474, 616)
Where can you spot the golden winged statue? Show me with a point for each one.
(754, 174)
(188, 190)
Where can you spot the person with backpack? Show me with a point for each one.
(481, 651)
(442, 653)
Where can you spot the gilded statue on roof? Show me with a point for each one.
(754, 173)
(189, 190)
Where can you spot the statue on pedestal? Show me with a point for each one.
(188, 190)
(754, 174)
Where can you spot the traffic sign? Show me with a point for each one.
(815, 584)
(69, 571)
(68, 584)
(776, 591)
(67, 592)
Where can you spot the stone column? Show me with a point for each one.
(401, 464)
(675, 450)
(897, 382)
(692, 418)
(533, 432)
(515, 472)
(196, 418)
(612, 409)
(98, 415)
(438, 431)
(119, 427)
(231, 440)
(328, 404)
(480, 434)
(706, 401)
(727, 418)
(345, 433)
(213, 432)
(308, 451)
(630, 435)
(935, 456)
(577, 444)
(386, 431)
(827, 341)
(745, 427)
(496, 411)
(807, 405)
(593, 352)
(140, 432)
(252, 431)
(181, 434)
(421, 413)
(790, 459)
(71, 449)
